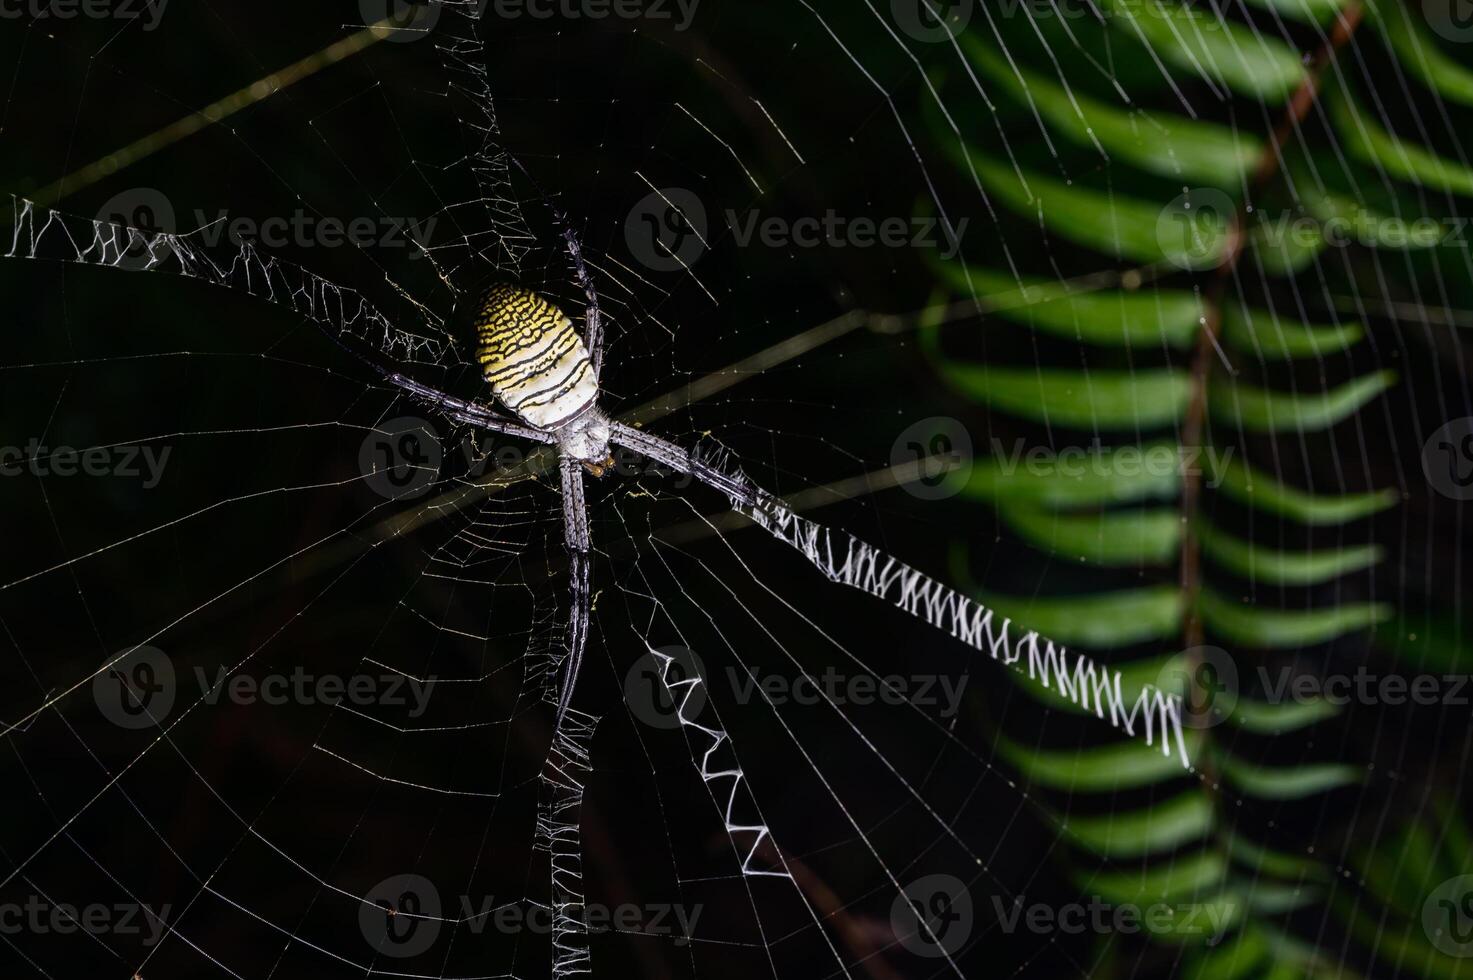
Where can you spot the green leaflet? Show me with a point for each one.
(1263, 859)
(1419, 53)
(1112, 224)
(1308, 11)
(1121, 765)
(1105, 318)
(1350, 222)
(1284, 254)
(1428, 643)
(1257, 489)
(1099, 622)
(1275, 898)
(1404, 944)
(1240, 958)
(1210, 919)
(1456, 838)
(1256, 626)
(1194, 39)
(1268, 718)
(1166, 882)
(1259, 564)
(1399, 158)
(1028, 496)
(1097, 480)
(1100, 400)
(1171, 146)
(1408, 865)
(1286, 782)
(1115, 538)
(1261, 410)
(1163, 826)
(1273, 338)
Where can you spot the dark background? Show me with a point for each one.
(244, 818)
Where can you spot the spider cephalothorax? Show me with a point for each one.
(540, 369)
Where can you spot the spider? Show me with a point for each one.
(542, 376)
(541, 373)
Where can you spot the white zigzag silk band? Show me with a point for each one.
(1156, 715)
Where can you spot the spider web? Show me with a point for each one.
(687, 822)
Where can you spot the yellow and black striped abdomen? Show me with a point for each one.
(534, 360)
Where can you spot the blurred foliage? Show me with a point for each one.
(1215, 334)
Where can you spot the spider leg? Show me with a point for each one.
(579, 543)
(846, 560)
(344, 314)
(743, 493)
(593, 329)
(469, 412)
